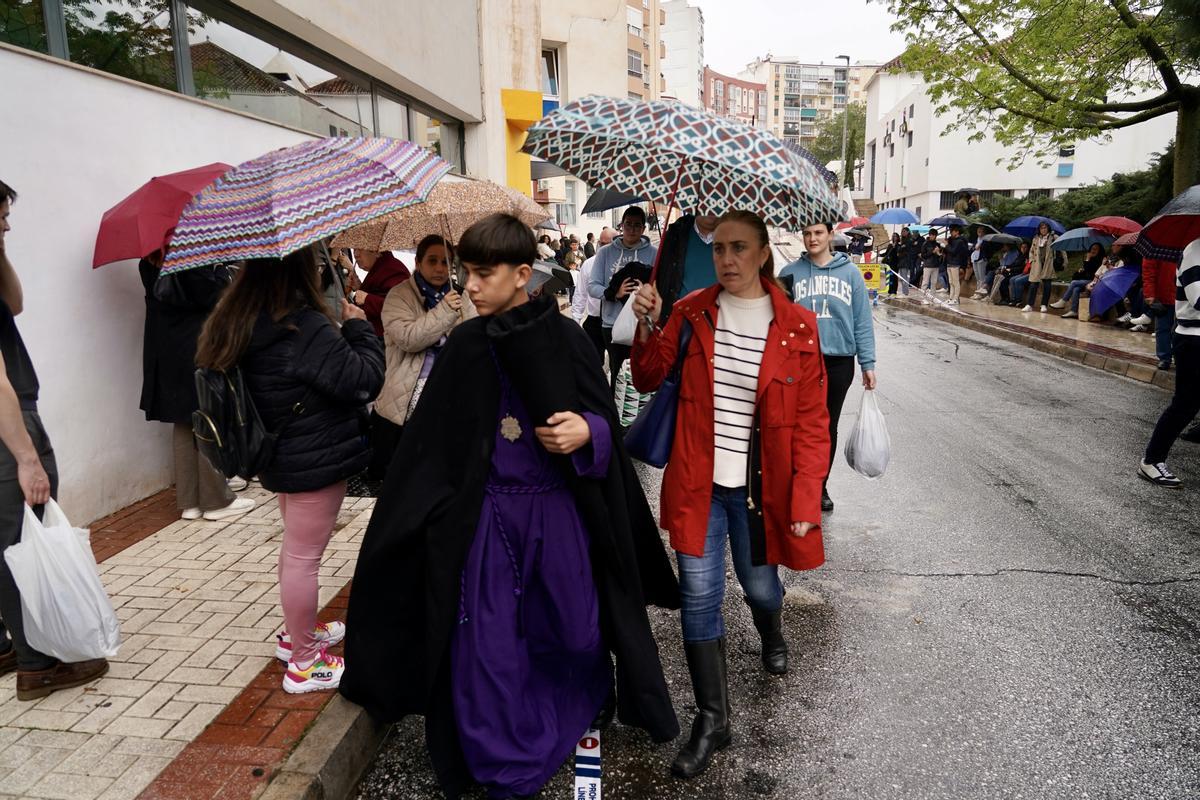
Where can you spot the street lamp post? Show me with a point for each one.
(845, 123)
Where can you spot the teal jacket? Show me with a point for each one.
(837, 294)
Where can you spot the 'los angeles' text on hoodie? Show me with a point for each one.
(837, 294)
(609, 259)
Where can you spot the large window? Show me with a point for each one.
(550, 72)
(565, 213)
(634, 63)
(218, 52)
(633, 21)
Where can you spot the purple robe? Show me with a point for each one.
(529, 667)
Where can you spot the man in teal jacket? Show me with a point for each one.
(831, 286)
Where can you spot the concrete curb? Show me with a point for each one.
(331, 758)
(1128, 367)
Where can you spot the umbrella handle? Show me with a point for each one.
(670, 208)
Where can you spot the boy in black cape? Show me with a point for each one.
(512, 549)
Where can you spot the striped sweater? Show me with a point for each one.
(1187, 291)
(740, 338)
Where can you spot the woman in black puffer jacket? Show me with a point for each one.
(310, 383)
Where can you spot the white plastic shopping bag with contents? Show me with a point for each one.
(868, 448)
(625, 328)
(67, 612)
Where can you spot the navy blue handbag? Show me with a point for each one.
(650, 436)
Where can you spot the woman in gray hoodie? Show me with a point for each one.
(631, 247)
(831, 286)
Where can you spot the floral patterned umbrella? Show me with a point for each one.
(450, 209)
(290, 198)
(667, 151)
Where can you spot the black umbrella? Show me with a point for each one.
(860, 233)
(967, 191)
(605, 199)
(1002, 238)
(549, 278)
(634, 269)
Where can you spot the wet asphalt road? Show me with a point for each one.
(1008, 613)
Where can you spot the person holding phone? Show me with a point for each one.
(632, 246)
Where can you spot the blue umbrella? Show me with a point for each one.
(895, 216)
(1027, 227)
(1112, 286)
(921, 229)
(946, 220)
(1080, 240)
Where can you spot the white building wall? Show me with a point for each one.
(591, 41)
(83, 327)
(938, 163)
(683, 36)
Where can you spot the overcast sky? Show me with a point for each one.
(736, 31)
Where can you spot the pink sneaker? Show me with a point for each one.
(327, 634)
(325, 672)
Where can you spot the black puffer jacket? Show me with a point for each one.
(310, 383)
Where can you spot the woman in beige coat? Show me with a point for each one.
(1041, 269)
(417, 317)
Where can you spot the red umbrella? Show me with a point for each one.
(1116, 226)
(139, 224)
(853, 223)
(1128, 240)
(1175, 226)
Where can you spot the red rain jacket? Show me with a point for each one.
(1158, 280)
(385, 273)
(790, 412)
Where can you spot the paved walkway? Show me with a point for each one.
(192, 705)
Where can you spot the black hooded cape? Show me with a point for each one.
(404, 600)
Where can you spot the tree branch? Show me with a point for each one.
(1046, 94)
(1160, 59)
(1125, 122)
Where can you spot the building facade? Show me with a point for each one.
(800, 95)
(683, 38)
(645, 51)
(95, 107)
(742, 100)
(913, 160)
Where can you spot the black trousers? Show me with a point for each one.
(1184, 404)
(618, 354)
(1032, 291)
(839, 374)
(12, 515)
(385, 436)
(595, 332)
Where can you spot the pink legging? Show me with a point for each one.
(308, 519)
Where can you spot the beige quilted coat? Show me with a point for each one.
(408, 331)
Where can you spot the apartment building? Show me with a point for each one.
(645, 20)
(683, 37)
(801, 94)
(742, 100)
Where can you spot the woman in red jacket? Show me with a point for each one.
(384, 271)
(750, 453)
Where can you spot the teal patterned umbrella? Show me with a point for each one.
(665, 151)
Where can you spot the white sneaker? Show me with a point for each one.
(1144, 319)
(236, 484)
(954, 302)
(1124, 318)
(1058, 304)
(943, 291)
(1026, 309)
(1043, 309)
(236, 508)
(1070, 315)
(327, 634)
(1139, 329)
(190, 513)
(324, 673)
(1159, 475)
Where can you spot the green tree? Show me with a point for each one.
(828, 144)
(1041, 74)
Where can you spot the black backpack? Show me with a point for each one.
(229, 431)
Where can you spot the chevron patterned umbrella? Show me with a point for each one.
(666, 151)
(288, 199)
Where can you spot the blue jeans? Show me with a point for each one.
(1016, 288)
(702, 578)
(1071, 296)
(1164, 329)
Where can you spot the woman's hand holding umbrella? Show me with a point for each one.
(647, 305)
(801, 529)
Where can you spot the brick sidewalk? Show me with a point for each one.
(199, 610)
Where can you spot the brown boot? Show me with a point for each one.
(8, 661)
(34, 684)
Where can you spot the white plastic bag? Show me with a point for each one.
(625, 328)
(67, 612)
(868, 448)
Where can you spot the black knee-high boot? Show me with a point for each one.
(774, 646)
(710, 728)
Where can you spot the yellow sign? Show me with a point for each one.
(872, 275)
